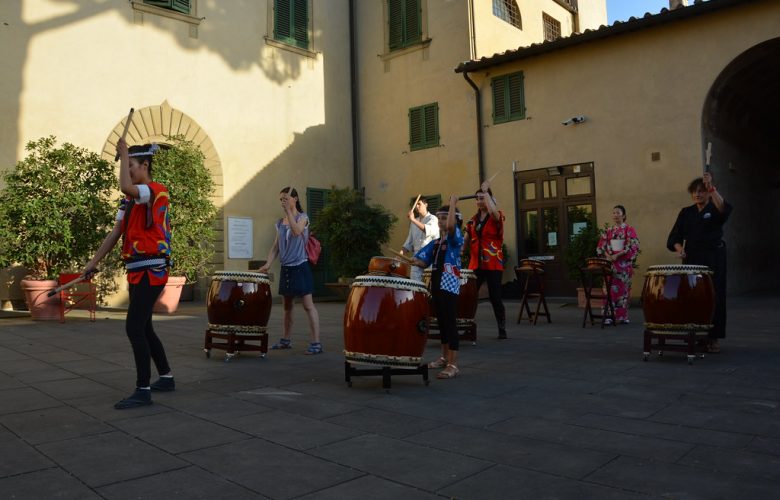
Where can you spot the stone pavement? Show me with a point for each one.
(557, 411)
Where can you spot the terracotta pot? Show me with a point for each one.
(168, 300)
(35, 295)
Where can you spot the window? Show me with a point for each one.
(508, 98)
(182, 6)
(291, 22)
(529, 191)
(508, 11)
(549, 189)
(424, 126)
(404, 23)
(577, 185)
(552, 28)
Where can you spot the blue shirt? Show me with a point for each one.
(292, 248)
(450, 270)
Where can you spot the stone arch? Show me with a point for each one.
(155, 124)
(740, 118)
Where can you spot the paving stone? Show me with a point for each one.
(508, 482)
(723, 420)
(60, 356)
(296, 403)
(769, 446)
(46, 484)
(210, 406)
(52, 424)
(370, 487)
(24, 399)
(72, 388)
(384, 423)
(270, 469)
(745, 463)
(44, 375)
(19, 457)
(191, 483)
(414, 465)
(9, 382)
(175, 432)
(108, 458)
(87, 366)
(495, 447)
(102, 407)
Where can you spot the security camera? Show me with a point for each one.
(573, 119)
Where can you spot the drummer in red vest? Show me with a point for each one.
(143, 222)
(485, 238)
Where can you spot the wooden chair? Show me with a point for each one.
(595, 272)
(533, 272)
(82, 295)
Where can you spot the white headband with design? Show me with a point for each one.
(152, 149)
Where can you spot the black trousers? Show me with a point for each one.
(715, 259)
(493, 279)
(446, 304)
(138, 326)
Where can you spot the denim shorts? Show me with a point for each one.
(296, 281)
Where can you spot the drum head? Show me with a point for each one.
(241, 277)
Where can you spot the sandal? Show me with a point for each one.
(283, 344)
(450, 372)
(712, 348)
(314, 348)
(439, 363)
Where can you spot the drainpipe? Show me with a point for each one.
(478, 99)
(353, 97)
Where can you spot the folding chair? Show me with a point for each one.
(82, 295)
(597, 269)
(532, 270)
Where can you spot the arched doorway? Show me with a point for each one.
(741, 118)
(155, 124)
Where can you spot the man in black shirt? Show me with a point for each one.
(697, 237)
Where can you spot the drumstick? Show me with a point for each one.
(124, 132)
(67, 285)
(404, 257)
(493, 177)
(417, 200)
(708, 157)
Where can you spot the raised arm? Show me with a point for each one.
(125, 183)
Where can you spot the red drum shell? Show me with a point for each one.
(239, 299)
(388, 266)
(386, 321)
(678, 295)
(467, 296)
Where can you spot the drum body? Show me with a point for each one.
(386, 321)
(388, 266)
(467, 296)
(678, 298)
(240, 299)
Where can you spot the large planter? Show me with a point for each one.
(168, 300)
(41, 306)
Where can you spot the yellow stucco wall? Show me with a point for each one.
(274, 116)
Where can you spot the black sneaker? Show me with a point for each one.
(164, 384)
(141, 397)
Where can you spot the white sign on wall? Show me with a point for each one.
(240, 238)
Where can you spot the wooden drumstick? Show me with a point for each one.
(124, 132)
(404, 257)
(416, 201)
(67, 285)
(493, 177)
(708, 157)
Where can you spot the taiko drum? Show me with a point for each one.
(678, 298)
(467, 296)
(239, 299)
(388, 266)
(386, 321)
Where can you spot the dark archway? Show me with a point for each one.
(741, 118)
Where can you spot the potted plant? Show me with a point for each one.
(57, 205)
(180, 167)
(581, 247)
(352, 230)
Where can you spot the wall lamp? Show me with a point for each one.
(574, 120)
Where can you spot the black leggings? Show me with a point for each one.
(493, 279)
(138, 326)
(446, 313)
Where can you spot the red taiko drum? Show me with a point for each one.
(467, 296)
(678, 298)
(239, 300)
(388, 266)
(386, 321)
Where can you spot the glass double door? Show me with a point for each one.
(554, 204)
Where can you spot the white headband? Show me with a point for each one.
(152, 149)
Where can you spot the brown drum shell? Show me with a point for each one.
(238, 303)
(386, 321)
(467, 297)
(388, 266)
(678, 299)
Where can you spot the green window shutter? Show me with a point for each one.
(166, 4)
(395, 15)
(300, 23)
(413, 20)
(434, 202)
(508, 98)
(516, 97)
(282, 20)
(424, 126)
(181, 6)
(316, 199)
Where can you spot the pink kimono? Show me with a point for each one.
(622, 267)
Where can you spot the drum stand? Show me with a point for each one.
(690, 339)
(386, 372)
(236, 338)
